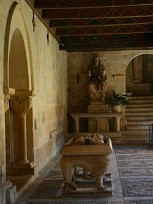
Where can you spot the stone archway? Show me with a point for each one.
(139, 75)
(20, 103)
(18, 90)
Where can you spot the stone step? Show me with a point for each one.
(135, 141)
(139, 123)
(137, 127)
(23, 169)
(139, 106)
(139, 115)
(134, 102)
(139, 110)
(135, 137)
(139, 98)
(19, 181)
(136, 114)
(138, 118)
(137, 134)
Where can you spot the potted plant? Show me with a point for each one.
(116, 101)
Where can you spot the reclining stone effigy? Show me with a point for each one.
(91, 152)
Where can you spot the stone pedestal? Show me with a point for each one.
(103, 123)
(98, 108)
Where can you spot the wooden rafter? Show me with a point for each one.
(88, 13)
(64, 23)
(54, 4)
(105, 30)
(115, 42)
(82, 25)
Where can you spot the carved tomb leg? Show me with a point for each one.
(67, 170)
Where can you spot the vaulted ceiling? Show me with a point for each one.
(97, 25)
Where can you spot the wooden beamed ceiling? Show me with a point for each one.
(96, 25)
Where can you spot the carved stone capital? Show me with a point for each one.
(21, 104)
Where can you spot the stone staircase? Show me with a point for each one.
(139, 115)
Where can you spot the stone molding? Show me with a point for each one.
(7, 93)
(6, 102)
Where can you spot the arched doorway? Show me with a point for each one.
(18, 90)
(19, 81)
(139, 74)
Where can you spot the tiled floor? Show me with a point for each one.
(131, 174)
(135, 165)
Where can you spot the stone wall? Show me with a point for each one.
(115, 63)
(47, 81)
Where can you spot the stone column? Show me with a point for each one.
(137, 69)
(21, 105)
(8, 92)
(9, 126)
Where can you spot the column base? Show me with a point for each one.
(20, 169)
(11, 193)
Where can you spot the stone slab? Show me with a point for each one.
(102, 149)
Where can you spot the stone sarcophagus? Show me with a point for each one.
(91, 152)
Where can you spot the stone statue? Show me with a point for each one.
(97, 83)
(91, 139)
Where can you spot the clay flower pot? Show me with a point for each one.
(116, 109)
(116, 101)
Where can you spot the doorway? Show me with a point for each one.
(18, 117)
(139, 74)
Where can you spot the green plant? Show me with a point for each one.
(116, 99)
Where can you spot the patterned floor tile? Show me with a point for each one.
(132, 150)
(137, 187)
(145, 201)
(134, 156)
(47, 189)
(136, 171)
(58, 165)
(55, 173)
(135, 163)
(69, 202)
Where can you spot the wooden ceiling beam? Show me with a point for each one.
(88, 13)
(105, 30)
(81, 34)
(54, 4)
(86, 39)
(116, 42)
(87, 25)
(64, 23)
